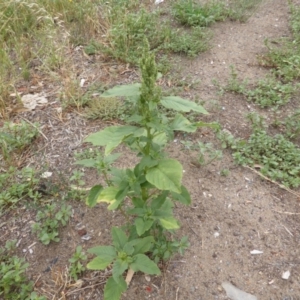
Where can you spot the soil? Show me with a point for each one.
(229, 216)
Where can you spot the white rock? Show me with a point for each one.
(256, 252)
(236, 294)
(286, 275)
(30, 101)
(216, 234)
(82, 81)
(46, 174)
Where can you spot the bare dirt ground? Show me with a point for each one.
(229, 217)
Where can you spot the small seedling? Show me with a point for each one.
(224, 172)
(49, 220)
(207, 154)
(76, 266)
(17, 185)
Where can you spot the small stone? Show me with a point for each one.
(86, 237)
(216, 234)
(286, 275)
(256, 252)
(236, 294)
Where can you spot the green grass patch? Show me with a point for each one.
(267, 92)
(276, 157)
(284, 54)
(13, 283)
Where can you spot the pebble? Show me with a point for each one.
(234, 293)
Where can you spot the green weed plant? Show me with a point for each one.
(144, 194)
(284, 54)
(267, 92)
(13, 283)
(49, 219)
(276, 157)
(16, 186)
(76, 263)
(14, 137)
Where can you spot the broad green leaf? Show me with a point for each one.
(145, 264)
(113, 290)
(169, 223)
(138, 202)
(180, 104)
(119, 238)
(112, 136)
(142, 226)
(111, 158)
(128, 248)
(147, 161)
(160, 139)
(92, 198)
(108, 252)
(143, 245)
(165, 210)
(98, 263)
(139, 211)
(127, 90)
(102, 138)
(118, 269)
(108, 195)
(118, 175)
(159, 201)
(180, 123)
(89, 162)
(184, 197)
(167, 175)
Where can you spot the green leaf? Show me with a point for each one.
(98, 263)
(142, 245)
(113, 290)
(109, 159)
(180, 123)
(142, 226)
(119, 237)
(180, 104)
(128, 248)
(89, 162)
(105, 256)
(145, 264)
(118, 269)
(112, 136)
(160, 139)
(92, 198)
(165, 210)
(127, 90)
(184, 197)
(107, 195)
(107, 252)
(169, 223)
(138, 202)
(167, 175)
(159, 201)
